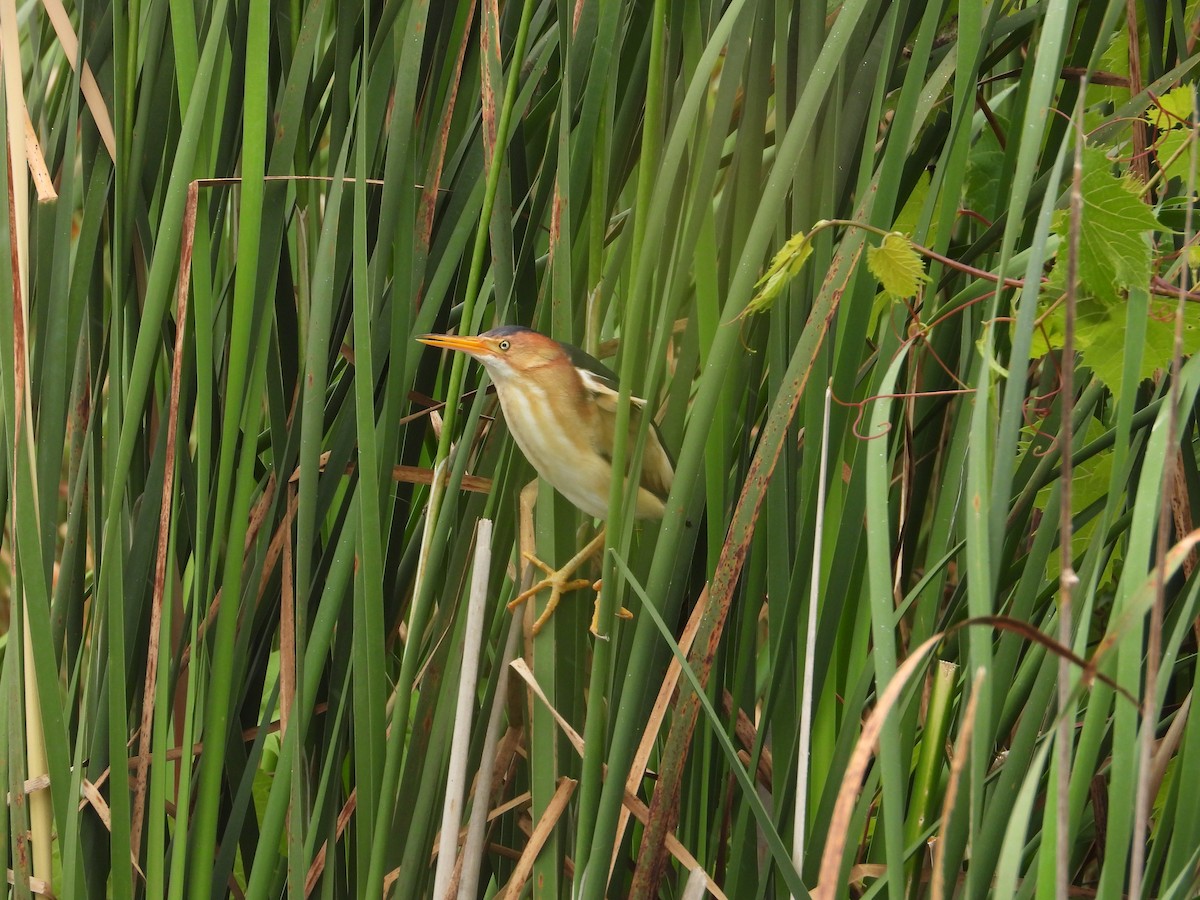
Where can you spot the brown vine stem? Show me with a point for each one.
(925, 251)
(1158, 286)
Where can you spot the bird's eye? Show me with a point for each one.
(504, 345)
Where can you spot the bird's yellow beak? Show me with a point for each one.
(468, 344)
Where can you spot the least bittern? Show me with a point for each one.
(561, 407)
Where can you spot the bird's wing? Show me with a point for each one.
(588, 364)
(658, 469)
(604, 390)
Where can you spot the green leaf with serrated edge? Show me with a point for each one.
(1160, 335)
(1173, 109)
(1113, 251)
(1173, 154)
(784, 267)
(1115, 61)
(897, 265)
(1100, 336)
(1114, 254)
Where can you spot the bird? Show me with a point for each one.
(560, 404)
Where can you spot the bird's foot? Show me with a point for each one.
(558, 580)
(594, 628)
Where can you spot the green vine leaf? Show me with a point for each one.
(896, 265)
(1113, 251)
(1115, 255)
(784, 267)
(1101, 335)
(1173, 109)
(1174, 154)
(1172, 115)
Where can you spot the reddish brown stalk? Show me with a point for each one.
(433, 175)
(665, 803)
(164, 523)
(1141, 165)
(992, 121)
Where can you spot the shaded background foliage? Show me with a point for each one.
(242, 589)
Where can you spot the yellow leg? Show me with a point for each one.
(594, 628)
(558, 580)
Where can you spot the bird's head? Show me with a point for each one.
(508, 352)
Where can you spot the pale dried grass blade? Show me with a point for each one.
(87, 81)
(546, 824)
(36, 885)
(460, 742)
(502, 751)
(852, 781)
(42, 181)
(41, 826)
(632, 802)
(961, 754)
(658, 714)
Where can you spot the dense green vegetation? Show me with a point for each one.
(939, 629)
